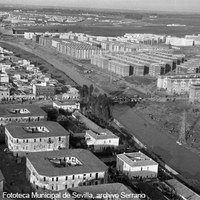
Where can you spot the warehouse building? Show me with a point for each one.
(21, 113)
(177, 84)
(46, 91)
(35, 136)
(64, 169)
(137, 165)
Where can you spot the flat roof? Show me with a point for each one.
(183, 190)
(90, 163)
(70, 102)
(54, 129)
(110, 188)
(105, 134)
(136, 159)
(34, 110)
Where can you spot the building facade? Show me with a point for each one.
(21, 113)
(64, 169)
(137, 165)
(70, 105)
(102, 140)
(36, 136)
(194, 93)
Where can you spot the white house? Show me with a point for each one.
(101, 140)
(67, 105)
(137, 165)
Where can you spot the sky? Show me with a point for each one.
(150, 5)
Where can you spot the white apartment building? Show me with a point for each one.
(137, 165)
(4, 78)
(67, 105)
(64, 169)
(35, 136)
(21, 113)
(102, 140)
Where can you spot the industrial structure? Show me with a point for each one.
(64, 169)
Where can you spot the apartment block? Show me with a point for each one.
(35, 136)
(64, 169)
(21, 113)
(177, 84)
(69, 105)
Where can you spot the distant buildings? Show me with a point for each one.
(177, 84)
(68, 105)
(64, 169)
(21, 113)
(35, 136)
(192, 66)
(176, 41)
(153, 63)
(43, 91)
(137, 165)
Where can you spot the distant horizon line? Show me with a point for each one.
(101, 9)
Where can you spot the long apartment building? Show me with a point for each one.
(21, 113)
(178, 84)
(140, 64)
(64, 169)
(35, 136)
(192, 66)
(72, 48)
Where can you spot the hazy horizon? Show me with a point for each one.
(145, 5)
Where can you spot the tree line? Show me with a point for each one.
(97, 106)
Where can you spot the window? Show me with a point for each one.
(52, 179)
(66, 178)
(44, 178)
(96, 176)
(59, 138)
(56, 178)
(72, 184)
(73, 177)
(65, 186)
(141, 168)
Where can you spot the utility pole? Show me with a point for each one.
(182, 133)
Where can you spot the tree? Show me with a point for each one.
(91, 89)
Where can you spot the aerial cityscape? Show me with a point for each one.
(100, 100)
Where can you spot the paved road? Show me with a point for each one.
(178, 157)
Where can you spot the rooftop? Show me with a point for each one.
(36, 129)
(111, 188)
(183, 190)
(69, 102)
(12, 110)
(106, 134)
(40, 161)
(91, 125)
(136, 159)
